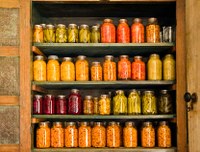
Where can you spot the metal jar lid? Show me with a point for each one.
(53, 57)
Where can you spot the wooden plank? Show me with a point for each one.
(9, 51)
(141, 1)
(9, 148)
(9, 4)
(37, 51)
(68, 0)
(38, 89)
(9, 100)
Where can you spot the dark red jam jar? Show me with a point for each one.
(37, 104)
(61, 104)
(74, 102)
(49, 104)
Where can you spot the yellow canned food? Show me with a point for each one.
(82, 68)
(96, 71)
(38, 34)
(84, 134)
(113, 135)
(169, 67)
(53, 68)
(43, 135)
(71, 135)
(57, 135)
(67, 69)
(39, 69)
(98, 135)
(130, 135)
(104, 105)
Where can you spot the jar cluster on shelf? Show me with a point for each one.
(105, 33)
(101, 134)
(109, 70)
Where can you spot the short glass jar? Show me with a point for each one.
(37, 104)
(88, 105)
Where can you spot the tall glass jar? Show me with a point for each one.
(72, 33)
(95, 34)
(49, 104)
(130, 135)
(149, 103)
(137, 31)
(38, 34)
(96, 105)
(123, 31)
(71, 135)
(169, 67)
(39, 69)
(61, 104)
(119, 103)
(74, 102)
(109, 68)
(98, 135)
(138, 69)
(82, 68)
(67, 69)
(104, 105)
(88, 105)
(53, 68)
(154, 67)
(37, 104)
(134, 102)
(84, 134)
(57, 135)
(61, 33)
(165, 104)
(108, 31)
(96, 71)
(124, 68)
(49, 34)
(113, 135)
(84, 34)
(153, 31)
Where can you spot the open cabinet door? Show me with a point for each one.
(193, 70)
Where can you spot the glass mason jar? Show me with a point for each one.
(147, 134)
(98, 135)
(137, 31)
(130, 135)
(154, 67)
(138, 69)
(49, 104)
(61, 33)
(113, 135)
(109, 69)
(96, 71)
(43, 136)
(72, 33)
(149, 103)
(61, 104)
(169, 67)
(123, 31)
(88, 105)
(96, 105)
(57, 135)
(49, 34)
(37, 104)
(95, 34)
(39, 69)
(134, 102)
(82, 68)
(84, 134)
(104, 105)
(165, 105)
(119, 103)
(71, 135)
(67, 69)
(124, 68)
(84, 34)
(53, 68)
(74, 102)
(38, 34)
(108, 31)
(153, 31)
(164, 135)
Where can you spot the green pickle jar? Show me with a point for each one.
(95, 34)
(84, 34)
(119, 103)
(61, 33)
(72, 33)
(165, 105)
(49, 34)
(149, 103)
(134, 102)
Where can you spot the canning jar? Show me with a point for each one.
(96, 71)
(98, 135)
(108, 31)
(88, 105)
(71, 135)
(37, 104)
(61, 104)
(96, 105)
(61, 33)
(43, 135)
(67, 69)
(49, 104)
(119, 103)
(149, 103)
(147, 135)
(154, 67)
(38, 34)
(82, 68)
(84, 34)
(84, 135)
(130, 135)
(104, 105)
(123, 31)
(152, 31)
(74, 102)
(134, 102)
(165, 105)
(138, 69)
(72, 33)
(57, 135)
(164, 134)
(53, 68)
(124, 68)
(49, 34)
(109, 68)
(95, 34)
(113, 135)
(169, 72)
(137, 31)
(39, 68)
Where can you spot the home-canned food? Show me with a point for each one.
(37, 104)
(84, 135)
(49, 104)
(57, 135)
(84, 34)
(71, 135)
(96, 105)
(49, 34)
(137, 31)
(169, 67)
(98, 135)
(164, 135)
(113, 135)
(96, 71)
(149, 102)
(72, 33)
(109, 68)
(38, 34)
(123, 31)
(124, 68)
(130, 135)
(134, 102)
(53, 68)
(74, 103)
(148, 134)
(67, 69)
(88, 105)
(119, 103)
(39, 68)
(165, 104)
(153, 31)
(82, 68)
(95, 34)
(138, 69)
(61, 33)
(61, 104)
(104, 105)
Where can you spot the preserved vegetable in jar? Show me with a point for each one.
(153, 31)
(53, 68)
(61, 33)
(138, 69)
(71, 135)
(113, 135)
(165, 105)
(38, 34)
(108, 31)
(169, 71)
(49, 34)
(123, 31)
(49, 104)
(84, 134)
(95, 34)
(96, 71)
(39, 69)
(43, 135)
(149, 103)
(37, 104)
(96, 105)
(137, 31)
(88, 105)
(98, 135)
(134, 102)
(119, 103)
(104, 105)
(124, 68)
(74, 102)
(72, 33)
(57, 135)
(109, 69)
(61, 104)
(130, 135)
(154, 67)
(148, 135)
(67, 69)
(84, 34)
(82, 68)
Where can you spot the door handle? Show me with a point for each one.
(190, 99)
